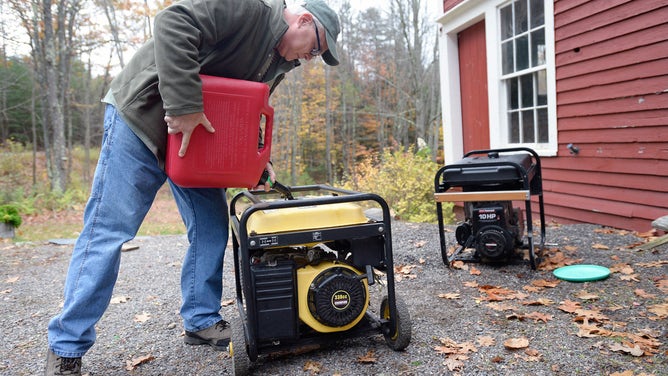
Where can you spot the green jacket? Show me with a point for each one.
(227, 38)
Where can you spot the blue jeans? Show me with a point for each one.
(126, 181)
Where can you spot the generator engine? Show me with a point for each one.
(316, 285)
(493, 229)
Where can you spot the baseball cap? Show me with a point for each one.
(330, 21)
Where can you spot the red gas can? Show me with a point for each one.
(229, 158)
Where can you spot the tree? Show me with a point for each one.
(51, 28)
(15, 99)
(384, 94)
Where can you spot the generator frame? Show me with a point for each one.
(491, 179)
(390, 323)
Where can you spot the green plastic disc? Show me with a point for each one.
(582, 273)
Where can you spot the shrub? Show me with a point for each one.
(405, 180)
(10, 214)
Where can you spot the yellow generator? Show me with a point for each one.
(304, 267)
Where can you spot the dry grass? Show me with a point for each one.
(41, 222)
(162, 219)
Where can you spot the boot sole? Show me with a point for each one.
(212, 343)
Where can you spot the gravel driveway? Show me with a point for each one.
(474, 320)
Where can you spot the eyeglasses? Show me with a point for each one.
(316, 51)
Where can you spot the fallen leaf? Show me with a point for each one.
(453, 364)
(12, 279)
(539, 301)
(622, 268)
(458, 264)
(515, 316)
(467, 347)
(643, 294)
(532, 352)
(587, 330)
(368, 358)
(662, 285)
(537, 316)
(501, 306)
(495, 293)
(614, 308)
(630, 277)
(570, 306)
(590, 314)
(532, 289)
(143, 317)
(653, 264)
(584, 295)
(129, 247)
(635, 350)
(532, 355)
(446, 350)
(516, 343)
(624, 373)
(485, 341)
(660, 310)
(450, 296)
(651, 233)
(131, 365)
(556, 260)
(545, 283)
(451, 347)
(404, 269)
(475, 271)
(600, 246)
(226, 303)
(119, 299)
(312, 367)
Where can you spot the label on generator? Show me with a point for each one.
(487, 215)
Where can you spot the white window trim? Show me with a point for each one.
(458, 19)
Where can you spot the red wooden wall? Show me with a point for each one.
(612, 103)
(449, 4)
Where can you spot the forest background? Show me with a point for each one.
(371, 124)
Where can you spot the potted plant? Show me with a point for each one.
(9, 220)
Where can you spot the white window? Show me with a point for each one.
(524, 72)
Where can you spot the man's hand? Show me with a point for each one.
(267, 184)
(186, 124)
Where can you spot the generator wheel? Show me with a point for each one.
(401, 337)
(240, 359)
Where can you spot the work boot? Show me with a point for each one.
(57, 365)
(217, 336)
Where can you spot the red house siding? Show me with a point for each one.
(612, 103)
(449, 4)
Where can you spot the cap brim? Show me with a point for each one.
(331, 57)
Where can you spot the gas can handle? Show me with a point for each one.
(275, 185)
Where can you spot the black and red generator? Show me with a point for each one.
(487, 182)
